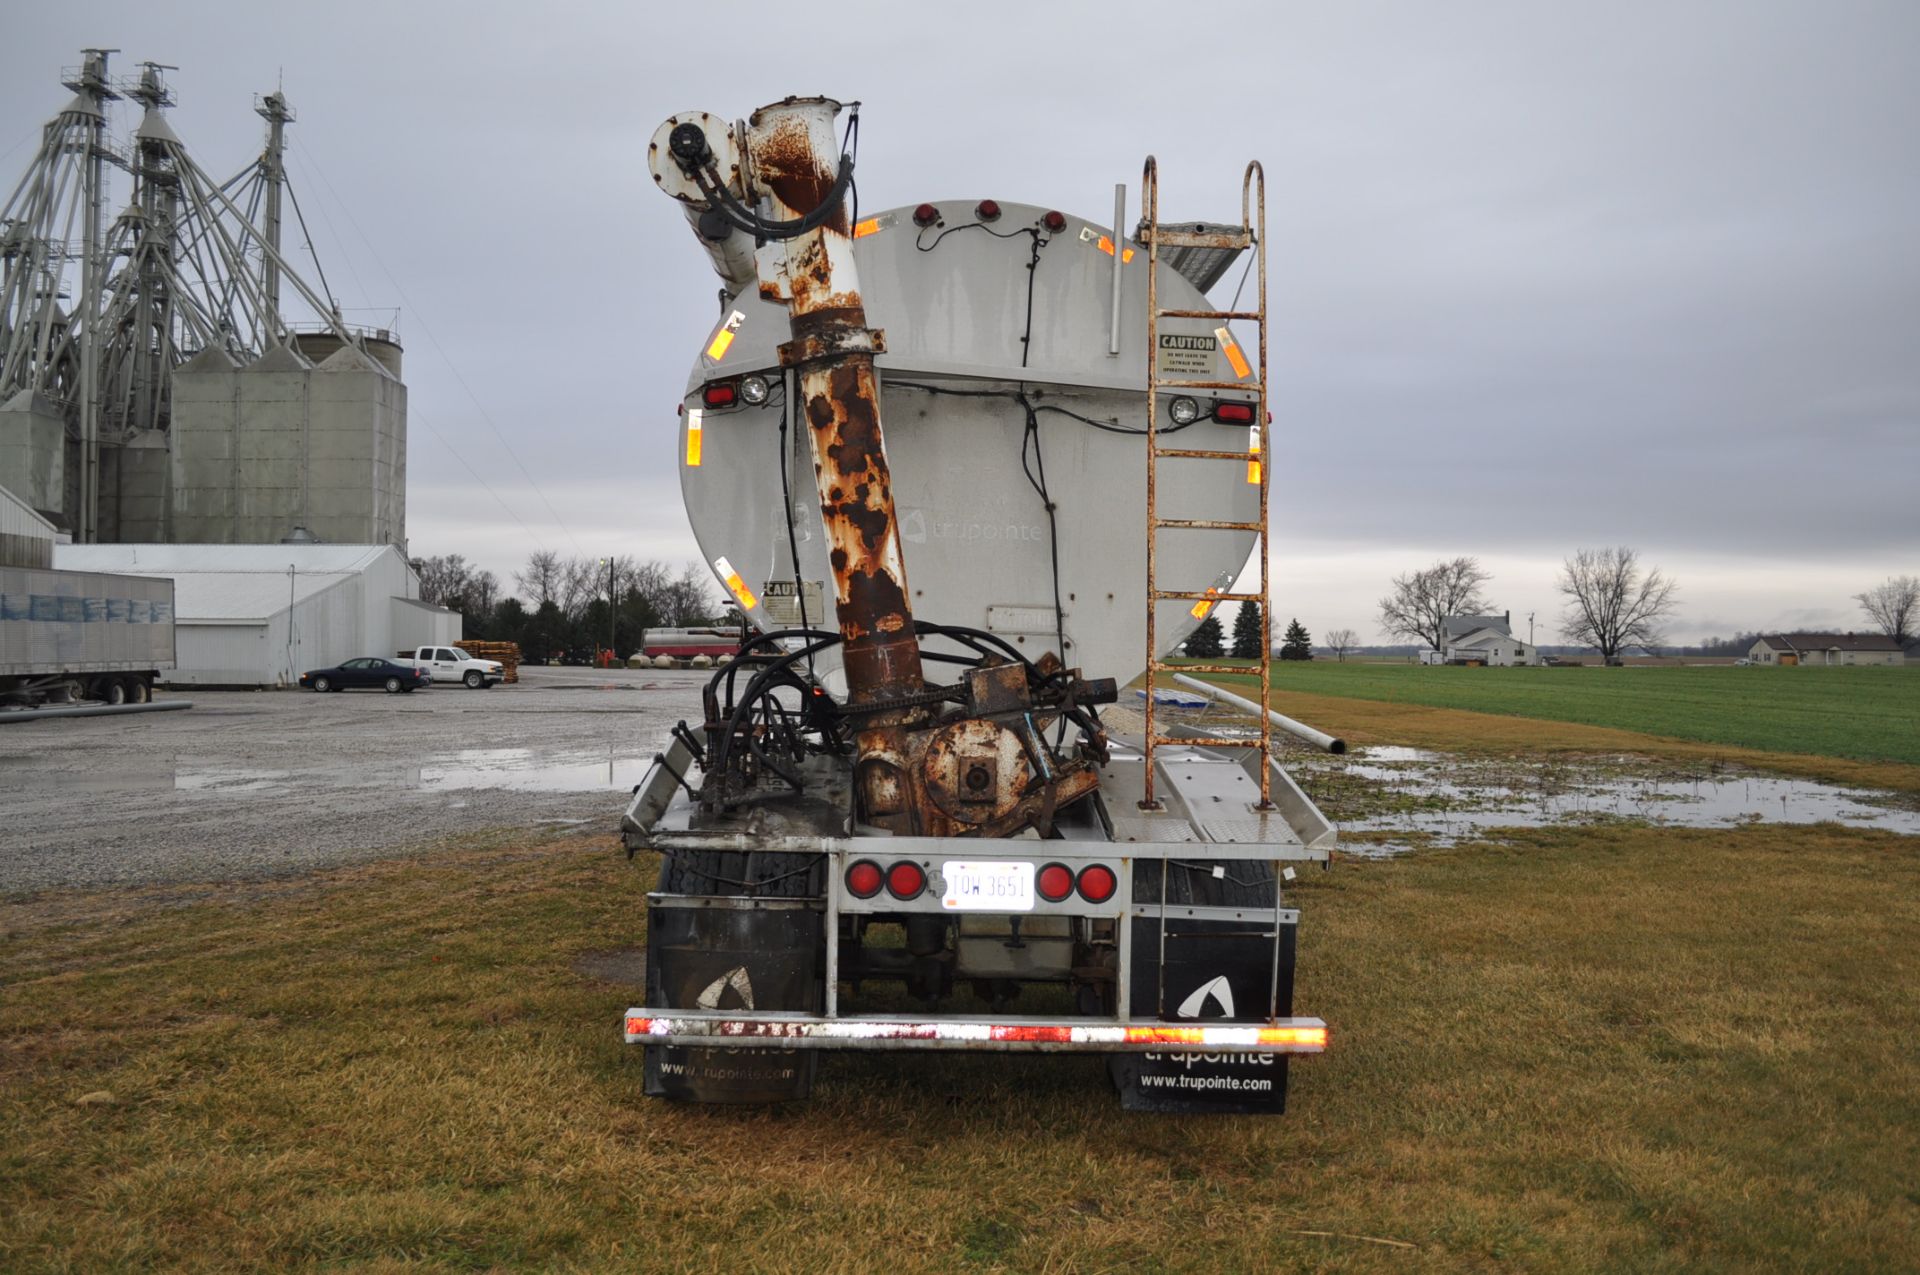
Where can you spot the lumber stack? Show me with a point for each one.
(508, 653)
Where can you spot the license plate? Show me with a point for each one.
(986, 887)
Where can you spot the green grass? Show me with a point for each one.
(1607, 1048)
(1870, 714)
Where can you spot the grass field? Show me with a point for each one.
(1869, 714)
(1602, 1048)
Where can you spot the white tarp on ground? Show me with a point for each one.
(260, 615)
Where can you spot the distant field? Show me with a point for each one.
(1872, 714)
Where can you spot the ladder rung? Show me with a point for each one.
(1161, 666)
(1207, 524)
(1228, 315)
(1166, 238)
(1209, 385)
(1210, 741)
(1190, 453)
(1170, 594)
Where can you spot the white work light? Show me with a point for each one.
(1183, 410)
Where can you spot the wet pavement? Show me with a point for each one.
(251, 784)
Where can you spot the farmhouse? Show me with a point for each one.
(1486, 638)
(1826, 649)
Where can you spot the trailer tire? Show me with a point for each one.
(474, 679)
(113, 691)
(139, 690)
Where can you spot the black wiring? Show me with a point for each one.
(786, 500)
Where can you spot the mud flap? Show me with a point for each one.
(1219, 971)
(764, 956)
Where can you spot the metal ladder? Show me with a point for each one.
(1252, 233)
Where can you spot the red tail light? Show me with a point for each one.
(1233, 413)
(1055, 222)
(1097, 883)
(925, 215)
(864, 879)
(719, 394)
(905, 880)
(987, 210)
(1055, 882)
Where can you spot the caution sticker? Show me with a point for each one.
(1187, 355)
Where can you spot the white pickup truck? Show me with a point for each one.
(451, 664)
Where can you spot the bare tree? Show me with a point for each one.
(1340, 641)
(1611, 603)
(453, 582)
(1894, 606)
(541, 581)
(1422, 599)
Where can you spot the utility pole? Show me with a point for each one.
(613, 614)
(1530, 641)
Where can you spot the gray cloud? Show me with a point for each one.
(1542, 277)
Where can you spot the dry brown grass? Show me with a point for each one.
(1612, 1048)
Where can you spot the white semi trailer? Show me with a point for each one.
(905, 825)
(68, 638)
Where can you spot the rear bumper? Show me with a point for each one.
(999, 1034)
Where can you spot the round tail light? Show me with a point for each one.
(905, 880)
(987, 210)
(1055, 221)
(1055, 882)
(864, 879)
(1097, 883)
(925, 215)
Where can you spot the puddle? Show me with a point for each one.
(1434, 799)
(524, 770)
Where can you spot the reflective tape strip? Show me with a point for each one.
(1308, 1036)
(1106, 246)
(731, 578)
(723, 336)
(693, 438)
(1231, 348)
(1200, 609)
(1253, 454)
(871, 226)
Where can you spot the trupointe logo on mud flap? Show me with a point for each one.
(916, 529)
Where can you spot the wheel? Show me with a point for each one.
(139, 691)
(395, 686)
(322, 684)
(475, 680)
(114, 691)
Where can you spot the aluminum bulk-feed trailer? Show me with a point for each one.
(902, 810)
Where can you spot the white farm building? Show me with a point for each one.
(260, 615)
(1486, 639)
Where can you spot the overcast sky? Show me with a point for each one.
(1543, 275)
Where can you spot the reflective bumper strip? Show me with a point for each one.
(679, 1027)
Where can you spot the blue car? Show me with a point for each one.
(369, 671)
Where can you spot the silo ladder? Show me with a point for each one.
(1251, 233)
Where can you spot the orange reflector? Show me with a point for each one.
(1200, 609)
(693, 439)
(723, 336)
(1231, 348)
(738, 587)
(1106, 246)
(871, 226)
(1253, 454)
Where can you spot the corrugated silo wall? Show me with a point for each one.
(33, 452)
(136, 489)
(281, 443)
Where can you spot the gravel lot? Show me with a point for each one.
(253, 784)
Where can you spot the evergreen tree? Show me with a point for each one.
(1297, 645)
(1206, 642)
(1246, 632)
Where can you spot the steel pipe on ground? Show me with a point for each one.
(93, 710)
(1299, 730)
